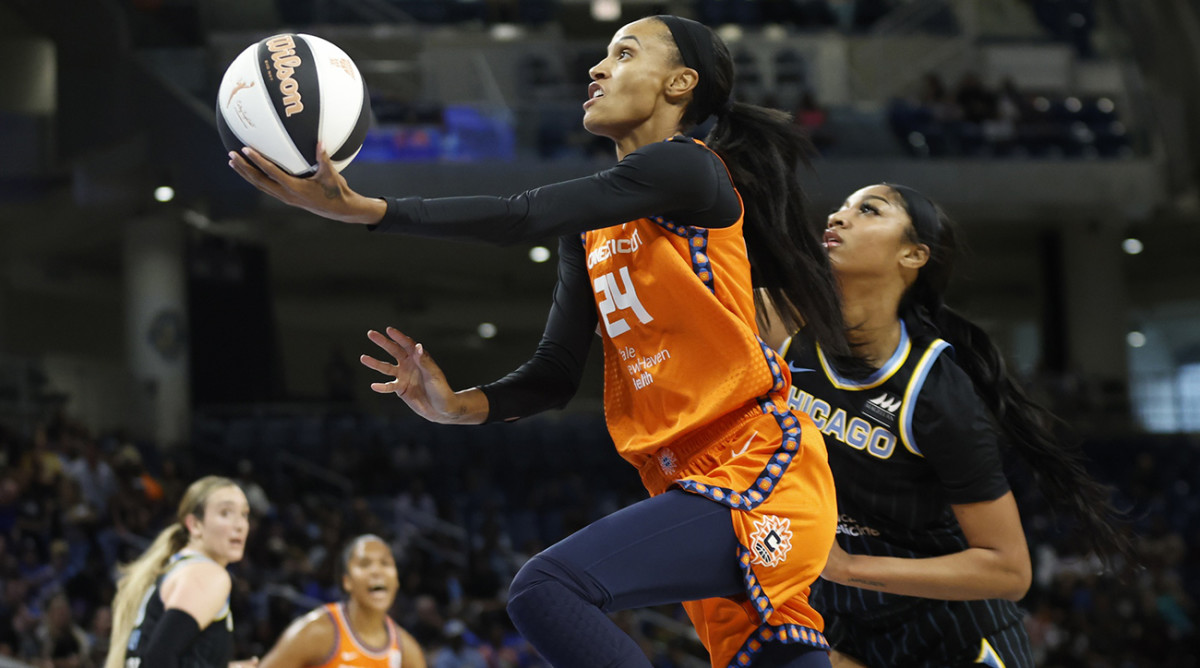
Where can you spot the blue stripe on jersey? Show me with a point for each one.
(773, 361)
(697, 239)
(750, 498)
(913, 389)
(880, 376)
(784, 633)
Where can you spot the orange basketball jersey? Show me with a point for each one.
(665, 375)
(350, 652)
(696, 400)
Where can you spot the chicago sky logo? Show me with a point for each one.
(883, 408)
(887, 402)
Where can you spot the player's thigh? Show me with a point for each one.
(673, 547)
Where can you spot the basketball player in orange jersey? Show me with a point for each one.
(662, 251)
(357, 633)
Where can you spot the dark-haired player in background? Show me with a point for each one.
(930, 553)
(357, 633)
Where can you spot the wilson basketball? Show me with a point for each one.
(283, 94)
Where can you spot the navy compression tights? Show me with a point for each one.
(673, 547)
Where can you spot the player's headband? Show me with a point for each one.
(694, 42)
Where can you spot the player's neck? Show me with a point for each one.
(653, 130)
(369, 625)
(869, 310)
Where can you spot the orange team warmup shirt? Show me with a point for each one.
(695, 399)
(350, 652)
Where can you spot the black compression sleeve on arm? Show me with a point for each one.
(665, 178)
(175, 631)
(551, 377)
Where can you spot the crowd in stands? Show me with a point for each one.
(848, 15)
(463, 508)
(1070, 21)
(973, 119)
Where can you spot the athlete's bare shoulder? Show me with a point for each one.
(309, 640)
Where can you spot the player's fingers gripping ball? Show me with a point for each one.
(289, 91)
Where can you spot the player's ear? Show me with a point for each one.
(681, 83)
(192, 524)
(915, 256)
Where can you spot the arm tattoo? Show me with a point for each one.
(868, 583)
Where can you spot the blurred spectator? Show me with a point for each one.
(811, 116)
(457, 653)
(98, 634)
(976, 102)
(96, 479)
(132, 509)
(139, 484)
(1001, 129)
(60, 639)
(40, 467)
(933, 95)
(260, 504)
(25, 625)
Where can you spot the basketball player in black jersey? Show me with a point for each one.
(172, 604)
(930, 553)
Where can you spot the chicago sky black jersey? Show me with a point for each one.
(213, 648)
(904, 444)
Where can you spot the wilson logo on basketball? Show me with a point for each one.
(285, 61)
(771, 540)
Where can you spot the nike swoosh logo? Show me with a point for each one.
(799, 369)
(747, 445)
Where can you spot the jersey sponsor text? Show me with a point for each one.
(850, 527)
(611, 247)
(883, 408)
(639, 366)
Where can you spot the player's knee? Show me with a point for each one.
(535, 571)
(540, 571)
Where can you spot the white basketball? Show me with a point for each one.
(283, 94)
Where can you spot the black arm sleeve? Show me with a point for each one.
(551, 377)
(959, 437)
(671, 178)
(175, 631)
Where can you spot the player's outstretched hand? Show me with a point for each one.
(419, 381)
(325, 193)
